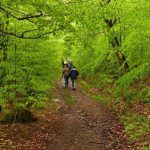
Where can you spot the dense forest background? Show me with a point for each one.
(107, 40)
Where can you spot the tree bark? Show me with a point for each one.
(116, 42)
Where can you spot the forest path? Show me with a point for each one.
(84, 124)
(78, 123)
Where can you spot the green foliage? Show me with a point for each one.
(2, 101)
(103, 80)
(95, 96)
(117, 94)
(107, 40)
(127, 79)
(85, 86)
(148, 148)
(40, 105)
(98, 98)
(101, 38)
(30, 75)
(145, 94)
(30, 56)
(128, 94)
(70, 100)
(136, 125)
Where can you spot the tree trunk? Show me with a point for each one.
(117, 43)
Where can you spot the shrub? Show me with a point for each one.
(18, 114)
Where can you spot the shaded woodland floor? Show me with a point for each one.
(79, 123)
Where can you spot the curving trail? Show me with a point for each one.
(82, 124)
(86, 125)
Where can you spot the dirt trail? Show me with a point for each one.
(86, 125)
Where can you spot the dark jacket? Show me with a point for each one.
(74, 74)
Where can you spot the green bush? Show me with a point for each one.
(39, 105)
(135, 125)
(117, 94)
(18, 114)
(145, 94)
(98, 98)
(148, 148)
(130, 95)
(70, 100)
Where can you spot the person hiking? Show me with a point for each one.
(66, 73)
(74, 74)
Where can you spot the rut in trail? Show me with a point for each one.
(86, 125)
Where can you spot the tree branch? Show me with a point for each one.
(22, 35)
(26, 17)
(29, 16)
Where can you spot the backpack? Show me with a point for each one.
(74, 73)
(66, 71)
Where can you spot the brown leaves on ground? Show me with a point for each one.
(141, 108)
(85, 125)
(31, 136)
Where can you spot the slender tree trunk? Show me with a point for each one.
(116, 42)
